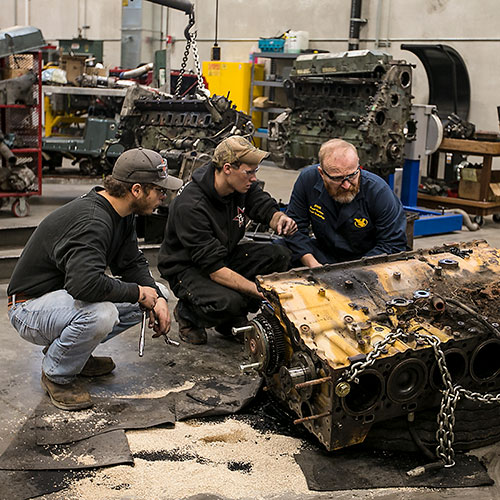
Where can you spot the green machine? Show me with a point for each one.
(83, 47)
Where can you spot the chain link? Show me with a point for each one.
(477, 396)
(183, 67)
(197, 65)
(450, 394)
(190, 42)
(378, 349)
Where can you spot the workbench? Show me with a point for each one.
(488, 150)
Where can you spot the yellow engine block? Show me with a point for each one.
(350, 344)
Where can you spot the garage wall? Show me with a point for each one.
(60, 19)
(469, 26)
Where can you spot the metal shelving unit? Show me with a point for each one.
(23, 123)
(272, 85)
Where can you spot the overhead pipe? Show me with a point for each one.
(184, 5)
(355, 24)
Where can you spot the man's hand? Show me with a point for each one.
(159, 318)
(282, 224)
(309, 260)
(148, 297)
(227, 277)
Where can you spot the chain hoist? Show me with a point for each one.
(190, 43)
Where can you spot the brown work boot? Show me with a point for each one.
(97, 366)
(188, 332)
(70, 396)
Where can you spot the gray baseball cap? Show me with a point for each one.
(144, 166)
(237, 148)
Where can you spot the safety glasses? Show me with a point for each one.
(340, 179)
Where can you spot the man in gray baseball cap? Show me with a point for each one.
(144, 166)
(60, 296)
(209, 268)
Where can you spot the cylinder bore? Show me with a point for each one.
(485, 361)
(456, 362)
(380, 118)
(405, 79)
(394, 100)
(407, 380)
(364, 396)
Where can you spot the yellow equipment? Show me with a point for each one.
(234, 77)
(351, 344)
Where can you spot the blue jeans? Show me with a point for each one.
(71, 329)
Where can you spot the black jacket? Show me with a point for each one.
(73, 246)
(203, 228)
(373, 223)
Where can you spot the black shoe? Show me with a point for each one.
(188, 332)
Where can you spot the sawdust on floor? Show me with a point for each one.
(228, 458)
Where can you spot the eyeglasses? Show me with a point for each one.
(248, 173)
(339, 179)
(160, 190)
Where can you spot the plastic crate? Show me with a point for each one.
(272, 44)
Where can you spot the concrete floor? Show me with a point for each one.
(20, 361)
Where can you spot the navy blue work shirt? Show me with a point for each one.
(373, 223)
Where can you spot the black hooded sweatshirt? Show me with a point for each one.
(203, 228)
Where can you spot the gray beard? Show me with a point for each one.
(345, 197)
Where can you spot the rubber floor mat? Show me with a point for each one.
(210, 397)
(354, 468)
(21, 485)
(54, 426)
(214, 397)
(110, 448)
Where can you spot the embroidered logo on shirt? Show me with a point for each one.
(362, 222)
(240, 218)
(317, 211)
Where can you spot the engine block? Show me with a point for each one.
(363, 97)
(184, 130)
(321, 325)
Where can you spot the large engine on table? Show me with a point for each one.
(184, 130)
(362, 96)
(347, 345)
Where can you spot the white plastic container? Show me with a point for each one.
(296, 41)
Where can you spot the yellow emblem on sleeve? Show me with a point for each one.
(362, 222)
(317, 211)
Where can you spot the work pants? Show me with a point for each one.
(206, 304)
(70, 329)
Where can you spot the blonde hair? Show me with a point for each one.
(334, 146)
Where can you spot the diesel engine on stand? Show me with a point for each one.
(346, 346)
(184, 130)
(361, 96)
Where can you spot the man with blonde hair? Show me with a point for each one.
(352, 212)
(209, 268)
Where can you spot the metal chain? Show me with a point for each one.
(197, 65)
(190, 41)
(477, 396)
(357, 368)
(450, 394)
(183, 67)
